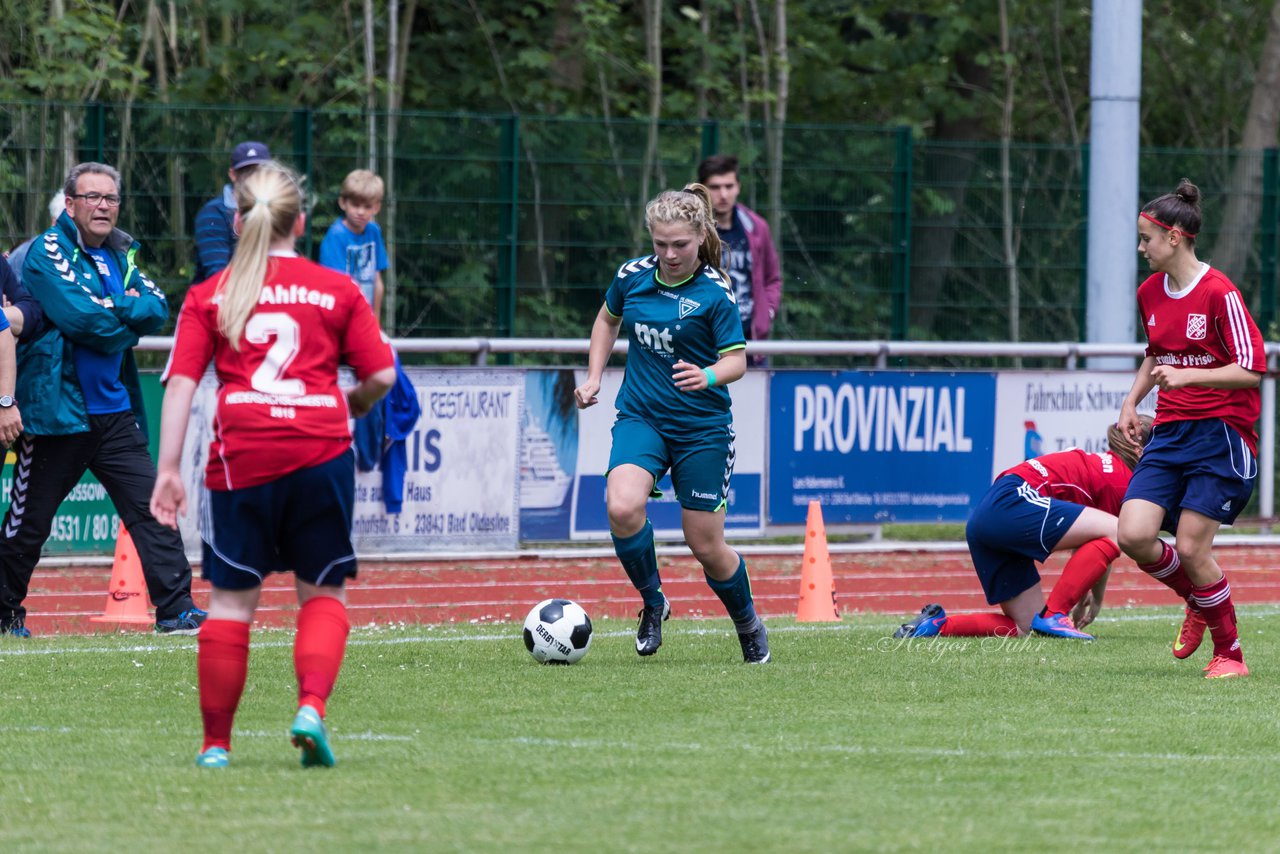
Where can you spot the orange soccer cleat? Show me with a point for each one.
(1222, 667)
(1190, 635)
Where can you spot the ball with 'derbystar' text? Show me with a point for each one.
(557, 631)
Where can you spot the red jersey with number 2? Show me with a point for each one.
(279, 405)
(1204, 325)
(1094, 480)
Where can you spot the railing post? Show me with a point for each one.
(1267, 446)
(303, 122)
(509, 191)
(901, 264)
(1267, 271)
(95, 132)
(710, 139)
(1082, 301)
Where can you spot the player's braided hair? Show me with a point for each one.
(269, 202)
(1119, 444)
(691, 206)
(1177, 211)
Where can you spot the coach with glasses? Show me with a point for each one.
(81, 400)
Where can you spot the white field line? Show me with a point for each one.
(367, 735)
(369, 636)
(1266, 542)
(1115, 591)
(921, 752)
(951, 753)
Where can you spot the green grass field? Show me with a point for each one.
(453, 739)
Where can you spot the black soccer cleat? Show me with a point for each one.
(755, 644)
(649, 632)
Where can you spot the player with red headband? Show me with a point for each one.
(1206, 354)
(1059, 501)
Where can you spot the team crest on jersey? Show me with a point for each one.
(1197, 326)
(688, 307)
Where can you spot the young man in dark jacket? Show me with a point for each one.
(750, 258)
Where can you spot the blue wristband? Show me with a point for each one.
(710, 375)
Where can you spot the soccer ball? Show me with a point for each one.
(557, 631)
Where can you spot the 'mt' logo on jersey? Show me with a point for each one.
(654, 339)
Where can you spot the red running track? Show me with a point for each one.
(480, 591)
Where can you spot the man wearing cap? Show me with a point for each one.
(215, 235)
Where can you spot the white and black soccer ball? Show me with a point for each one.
(557, 631)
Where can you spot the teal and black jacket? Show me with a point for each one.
(63, 277)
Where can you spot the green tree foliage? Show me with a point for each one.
(933, 66)
(875, 62)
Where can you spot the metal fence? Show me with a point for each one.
(502, 225)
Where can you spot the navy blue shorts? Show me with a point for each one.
(300, 523)
(1204, 466)
(701, 466)
(1011, 529)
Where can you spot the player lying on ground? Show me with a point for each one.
(1060, 501)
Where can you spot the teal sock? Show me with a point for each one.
(640, 560)
(735, 593)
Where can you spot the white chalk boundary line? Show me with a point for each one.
(929, 753)
(917, 752)
(604, 551)
(366, 636)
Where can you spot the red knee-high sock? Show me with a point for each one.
(1214, 601)
(318, 649)
(222, 662)
(1082, 571)
(1169, 572)
(978, 626)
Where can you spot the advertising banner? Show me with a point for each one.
(1041, 412)
(86, 522)
(744, 516)
(460, 468)
(548, 455)
(877, 447)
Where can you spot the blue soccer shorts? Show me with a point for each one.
(300, 523)
(1012, 528)
(700, 465)
(1203, 466)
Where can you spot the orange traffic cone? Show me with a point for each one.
(127, 595)
(817, 587)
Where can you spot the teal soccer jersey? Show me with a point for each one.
(695, 321)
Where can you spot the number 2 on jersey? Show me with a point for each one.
(269, 378)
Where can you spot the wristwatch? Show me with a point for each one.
(6, 401)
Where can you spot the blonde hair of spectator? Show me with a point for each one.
(691, 206)
(362, 186)
(269, 203)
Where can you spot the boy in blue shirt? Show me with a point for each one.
(354, 244)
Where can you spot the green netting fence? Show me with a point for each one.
(502, 225)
